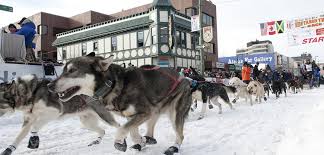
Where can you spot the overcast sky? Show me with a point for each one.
(238, 20)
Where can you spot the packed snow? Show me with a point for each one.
(292, 125)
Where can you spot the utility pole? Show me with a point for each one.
(201, 41)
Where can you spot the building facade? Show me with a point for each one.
(156, 34)
(257, 46)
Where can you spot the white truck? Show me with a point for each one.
(12, 64)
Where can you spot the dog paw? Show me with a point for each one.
(8, 151)
(121, 146)
(171, 150)
(33, 142)
(136, 147)
(96, 142)
(150, 140)
(200, 117)
(210, 106)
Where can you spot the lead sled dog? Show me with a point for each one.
(39, 106)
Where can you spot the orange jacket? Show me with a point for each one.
(246, 71)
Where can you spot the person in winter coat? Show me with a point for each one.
(309, 72)
(256, 71)
(317, 76)
(28, 31)
(246, 71)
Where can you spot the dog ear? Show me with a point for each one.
(92, 54)
(104, 64)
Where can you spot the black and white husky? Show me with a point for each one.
(210, 92)
(139, 94)
(39, 106)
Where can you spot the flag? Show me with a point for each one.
(280, 26)
(271, 28)
(263, 27)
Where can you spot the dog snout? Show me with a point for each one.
(51, 87)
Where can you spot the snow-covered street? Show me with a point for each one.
(292, 125)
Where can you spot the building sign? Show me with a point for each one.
(195, 23)
(6, 8)
(220, 65)
(251, 59)
(208, 34)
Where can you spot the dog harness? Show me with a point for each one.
(175, 80)
(97, 98)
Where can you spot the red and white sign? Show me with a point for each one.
(208, 34)
(305, 36)
(271, 28)
(318, 39)
(320, 31)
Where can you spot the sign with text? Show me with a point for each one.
(298, 37)
(313, 21)
(195, 23)
(251, 59)
(6, 8)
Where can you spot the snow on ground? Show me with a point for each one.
(287, 126)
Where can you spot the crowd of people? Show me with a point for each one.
(309, 73)
(27, 29)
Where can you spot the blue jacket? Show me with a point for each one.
(317, 72)
(28, 30)
(276, 76)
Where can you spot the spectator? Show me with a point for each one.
(181, 73)
(246, 71)
(256, 71)
(28, 30)
(12, 28)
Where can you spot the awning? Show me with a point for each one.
(103, 31)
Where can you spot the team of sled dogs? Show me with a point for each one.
(94, 89)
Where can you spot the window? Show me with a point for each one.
(191, 11)
(193, 41)
(113, 43)
(207, 20)
(209, 48)
(183, 39)
(164, 17)
(84, 49)
(178, 34)
(140, 39)
(154, 35)
(42, 29)
(95, 45)
(64, 53)
(164, 34)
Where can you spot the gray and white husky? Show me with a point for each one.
(139, 94)
(39, 106)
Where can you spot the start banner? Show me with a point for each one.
(305, 36)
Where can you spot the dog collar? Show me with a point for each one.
(103, 90)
